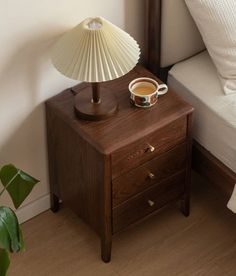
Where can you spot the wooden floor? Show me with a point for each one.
(165, 245)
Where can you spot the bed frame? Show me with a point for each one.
(203, 161)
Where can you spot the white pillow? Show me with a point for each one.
(216, 21)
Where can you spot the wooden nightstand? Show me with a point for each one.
(116, 172)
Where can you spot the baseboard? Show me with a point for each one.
(33, 208)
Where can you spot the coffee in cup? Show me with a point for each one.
(144, 92)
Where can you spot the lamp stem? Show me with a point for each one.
(96, 92)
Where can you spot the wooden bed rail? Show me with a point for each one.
(153, 35)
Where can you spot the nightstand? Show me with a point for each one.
(116, 172)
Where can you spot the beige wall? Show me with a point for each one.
(28, 29)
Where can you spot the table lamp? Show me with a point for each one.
(95, 51)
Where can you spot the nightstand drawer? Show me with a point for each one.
(148, 147)
(148, 174)
(147, 202)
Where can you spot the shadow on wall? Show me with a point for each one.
(25, 140)
(21, 80)
(22, 124)
(26, 148)
(135, 22)
(25, 66)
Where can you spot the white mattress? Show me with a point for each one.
(214, 125)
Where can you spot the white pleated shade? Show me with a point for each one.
(95, 51)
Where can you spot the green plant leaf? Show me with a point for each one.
(5, 240)
(11, 237)
(22, 244)
(18, 183)
(4, 262)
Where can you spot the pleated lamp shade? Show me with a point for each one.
(95, 51)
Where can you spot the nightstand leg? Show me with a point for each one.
(185, 205)
(54, 203)
(106, 249)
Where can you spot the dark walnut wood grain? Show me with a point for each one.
(130, 123)
(81, 188)
(148, 147)
(153, 42)
(148, 174)
(83, 154)
(87, 109)
(214, 170)
(149, 201)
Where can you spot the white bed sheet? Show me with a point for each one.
(214, 124)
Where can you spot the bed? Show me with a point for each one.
(177, 54)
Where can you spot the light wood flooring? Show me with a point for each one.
(167, 244)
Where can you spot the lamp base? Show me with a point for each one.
(86, 109)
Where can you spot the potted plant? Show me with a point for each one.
(19, 185)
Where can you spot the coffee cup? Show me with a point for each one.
(144, 92)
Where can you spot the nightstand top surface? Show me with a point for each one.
(130, 123)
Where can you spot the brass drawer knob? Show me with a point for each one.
(151, 203)
(151, 175)
(151, 148)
